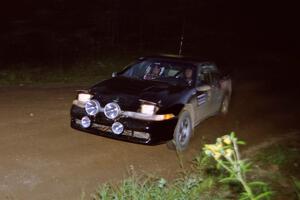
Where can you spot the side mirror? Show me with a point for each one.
(114, 74)
(204, 88)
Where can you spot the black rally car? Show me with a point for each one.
(154, 100)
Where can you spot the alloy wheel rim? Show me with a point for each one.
(225, 105)
(184, 131)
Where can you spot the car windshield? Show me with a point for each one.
(159, 70)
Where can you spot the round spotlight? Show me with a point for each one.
(112, 110)
(85, 122)
(117, 128)
(92, 107)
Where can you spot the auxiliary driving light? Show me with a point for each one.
(117, 128)
(85, 122)
(112, 110)
(92, 107)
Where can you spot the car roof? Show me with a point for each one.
(178, 58)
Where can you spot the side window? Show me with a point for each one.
(215, 77)
(207, 77)
(203, 77)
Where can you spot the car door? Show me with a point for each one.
(216, 91)
(203, 95)
(210, 78)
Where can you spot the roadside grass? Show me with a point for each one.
(84, 72)
(188, 185)
(297, 187)
(274, 169)
(279, 165)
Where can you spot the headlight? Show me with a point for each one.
(112, 110)
(92, 107)
(148, 109)
(84, 97)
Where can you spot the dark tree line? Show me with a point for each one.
(64, 30)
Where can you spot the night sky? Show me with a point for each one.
(47, 31)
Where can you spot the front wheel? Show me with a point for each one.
(182, 132)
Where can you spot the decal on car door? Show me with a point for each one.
(201, 99)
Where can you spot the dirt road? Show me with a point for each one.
(41, 157)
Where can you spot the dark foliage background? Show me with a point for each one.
(65, 32)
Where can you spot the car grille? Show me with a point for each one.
(126, 132)
(104, 128)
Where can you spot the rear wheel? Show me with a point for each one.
(182, 132)
(225, 105)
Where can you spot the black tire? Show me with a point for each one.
(224, 108)
(182, 133)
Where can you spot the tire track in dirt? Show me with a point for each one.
(41, 157)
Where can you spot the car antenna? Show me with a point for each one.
(181, 43)
(182, 36)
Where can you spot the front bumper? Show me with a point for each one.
(135, 130)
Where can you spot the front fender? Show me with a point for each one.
(190, 109)
(174, 109)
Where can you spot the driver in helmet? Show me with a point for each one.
(188, 75)
(154, 73)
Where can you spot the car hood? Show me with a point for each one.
(128, 92)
